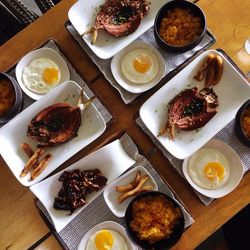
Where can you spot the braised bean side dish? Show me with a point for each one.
(154, 218)
(7, 96)
(245, 122)
(180, 27)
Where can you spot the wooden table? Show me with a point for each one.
(21, 226)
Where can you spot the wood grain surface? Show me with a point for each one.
(21, 226)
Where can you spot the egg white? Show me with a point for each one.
(119, 241)
(134, 76)
(197, 163)
(32, 75)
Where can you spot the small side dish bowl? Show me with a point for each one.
(191, 18)
(162, 205)
(242, 123)
(43, 70)
(206, 179)
(11, 98)
(111, 195)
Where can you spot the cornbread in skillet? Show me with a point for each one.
(154, 218)
(7, 96)
(180, 27)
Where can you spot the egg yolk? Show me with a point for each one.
(142, 63)
(50, 75)
(214, 170)
(104, 240)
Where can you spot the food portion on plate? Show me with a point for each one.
(35, 165)
(119, 193)
(7, 96)
(180, 26)
(108, 235)
(76, 185)
(10, 98)
(211, 70)
(40, 71)
(246, 122)
(138, 68)
(135, 187)
(106, 239)
(208, 168)
(214, 170)
(41, 75)
(119, 17)
(189, 110)
(154, 221)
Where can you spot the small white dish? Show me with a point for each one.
(110, 194)
(82, 15)
(111, 160)
(41, 53)
(236, 171)
(15, 132)
(123, 81)
(154, 111)
(106, 225)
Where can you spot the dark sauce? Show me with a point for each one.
(123, 15)
(194, 108)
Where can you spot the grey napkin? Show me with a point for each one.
(97, 211)
(172, 60)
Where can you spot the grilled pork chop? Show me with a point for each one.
(191, 109)
(55, 124)
(119, 17)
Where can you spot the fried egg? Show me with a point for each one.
(41, 75)
(209, 168)
(106, 239)
(140, 66)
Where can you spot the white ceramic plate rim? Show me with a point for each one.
(106, 225)
(153, 112)
(125, 83)
(123, 180)
(82, 15)
(17, 160)
(42, 52)
(235, 175)
(111, 160)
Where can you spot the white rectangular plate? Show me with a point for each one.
(82, 15)
(111, 160)
(232, 90)
(15, 132)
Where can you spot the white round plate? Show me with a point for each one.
(123, 81)
(236, 171)
(106, 225)
(42, 52)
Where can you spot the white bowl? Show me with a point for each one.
(106, 225)
(110, 194)
(42, 52)
(123, 81)
(236, 171)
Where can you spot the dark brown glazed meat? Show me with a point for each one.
(55, 124)
(76, 185)
(191, 109)
(120, 17)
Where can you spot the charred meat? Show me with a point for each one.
(55, 124)
(76, 185)
(119, 17)
(191, 109)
